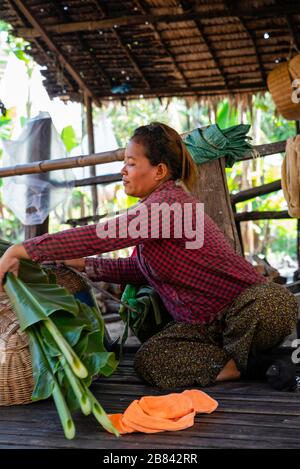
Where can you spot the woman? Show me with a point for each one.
(225, 313)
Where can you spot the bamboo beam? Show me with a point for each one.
(109, 157)
(195, 13)
(255, 192)
(105, 179)
(63, 163)
(83, 221)
(52, 46)
(94, 218)
(267, 215)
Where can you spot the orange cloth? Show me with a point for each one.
(152, 414)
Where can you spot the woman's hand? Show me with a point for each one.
(78, 264)
(10, 261)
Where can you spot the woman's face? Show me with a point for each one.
(140, 178)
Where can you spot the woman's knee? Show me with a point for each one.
(277, 319)
(158, 363)
(144, 361)
(154, 363)
(282, 312)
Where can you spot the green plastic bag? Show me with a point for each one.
(150, 316)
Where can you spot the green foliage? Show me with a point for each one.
(227, 116)
(6, 124)
(273, 126)
(69, 138)
(23, 121)
(20, 54)
(125, 119)
(66, 342)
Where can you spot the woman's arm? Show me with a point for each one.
(118, 233)
(130, 229)
(122, 270)
(82, 241)
(10, 261)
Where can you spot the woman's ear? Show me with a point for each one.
(162, 171)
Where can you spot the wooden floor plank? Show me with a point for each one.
(250, 415)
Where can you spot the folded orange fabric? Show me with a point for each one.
(153, 414)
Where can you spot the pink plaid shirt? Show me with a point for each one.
(194, 284)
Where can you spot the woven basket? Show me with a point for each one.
(68, 279)
(16, 381)
(294, 67)
(280, 86)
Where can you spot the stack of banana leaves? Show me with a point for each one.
(211, 142)
(66, 342)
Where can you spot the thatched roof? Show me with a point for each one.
(146, 48)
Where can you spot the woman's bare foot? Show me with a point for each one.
(229, 372)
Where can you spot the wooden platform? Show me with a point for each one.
(250, 415)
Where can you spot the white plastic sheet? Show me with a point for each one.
(32, 197)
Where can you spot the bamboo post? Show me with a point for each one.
(91, 145)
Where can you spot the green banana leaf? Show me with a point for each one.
(34, 302)
(38, 299)
(29, 271)
(65, 339)
(42, 374)
(211, 143)
(77, 322)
